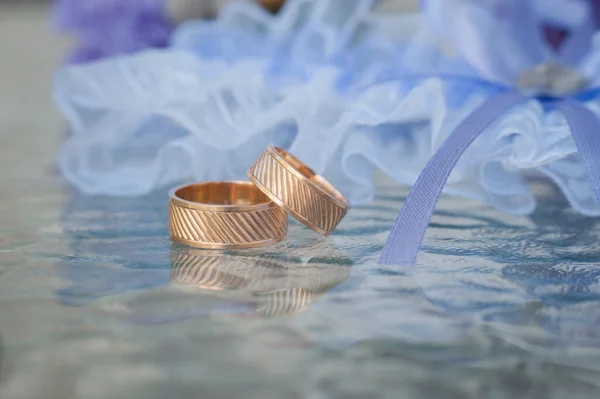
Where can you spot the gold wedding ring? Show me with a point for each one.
(295, 187)
(224, 215)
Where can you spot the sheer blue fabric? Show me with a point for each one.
(324, 81)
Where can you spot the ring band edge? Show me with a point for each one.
(224, 246)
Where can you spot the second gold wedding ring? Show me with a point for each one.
(224, 215)
(295, 187)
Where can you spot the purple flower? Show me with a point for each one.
(109, 27)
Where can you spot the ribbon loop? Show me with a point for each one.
(585, 128)
(409, 229)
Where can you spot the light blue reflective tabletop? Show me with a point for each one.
(95, 302)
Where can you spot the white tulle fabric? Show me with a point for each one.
(323, 80)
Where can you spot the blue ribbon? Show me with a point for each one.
(405, 239)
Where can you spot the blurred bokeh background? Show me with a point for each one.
(32, 50)
(30, 54)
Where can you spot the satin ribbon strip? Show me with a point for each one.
(407, 234)
(405, 238)
(585, 128)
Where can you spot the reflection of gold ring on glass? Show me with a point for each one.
(296, 188)
(224, 215)
(278, 286)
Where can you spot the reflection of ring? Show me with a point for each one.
(299, 190)
(224, 215)
(278, 287)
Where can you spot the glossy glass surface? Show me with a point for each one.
(95, 300)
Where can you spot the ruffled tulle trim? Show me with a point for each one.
(196, 112)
